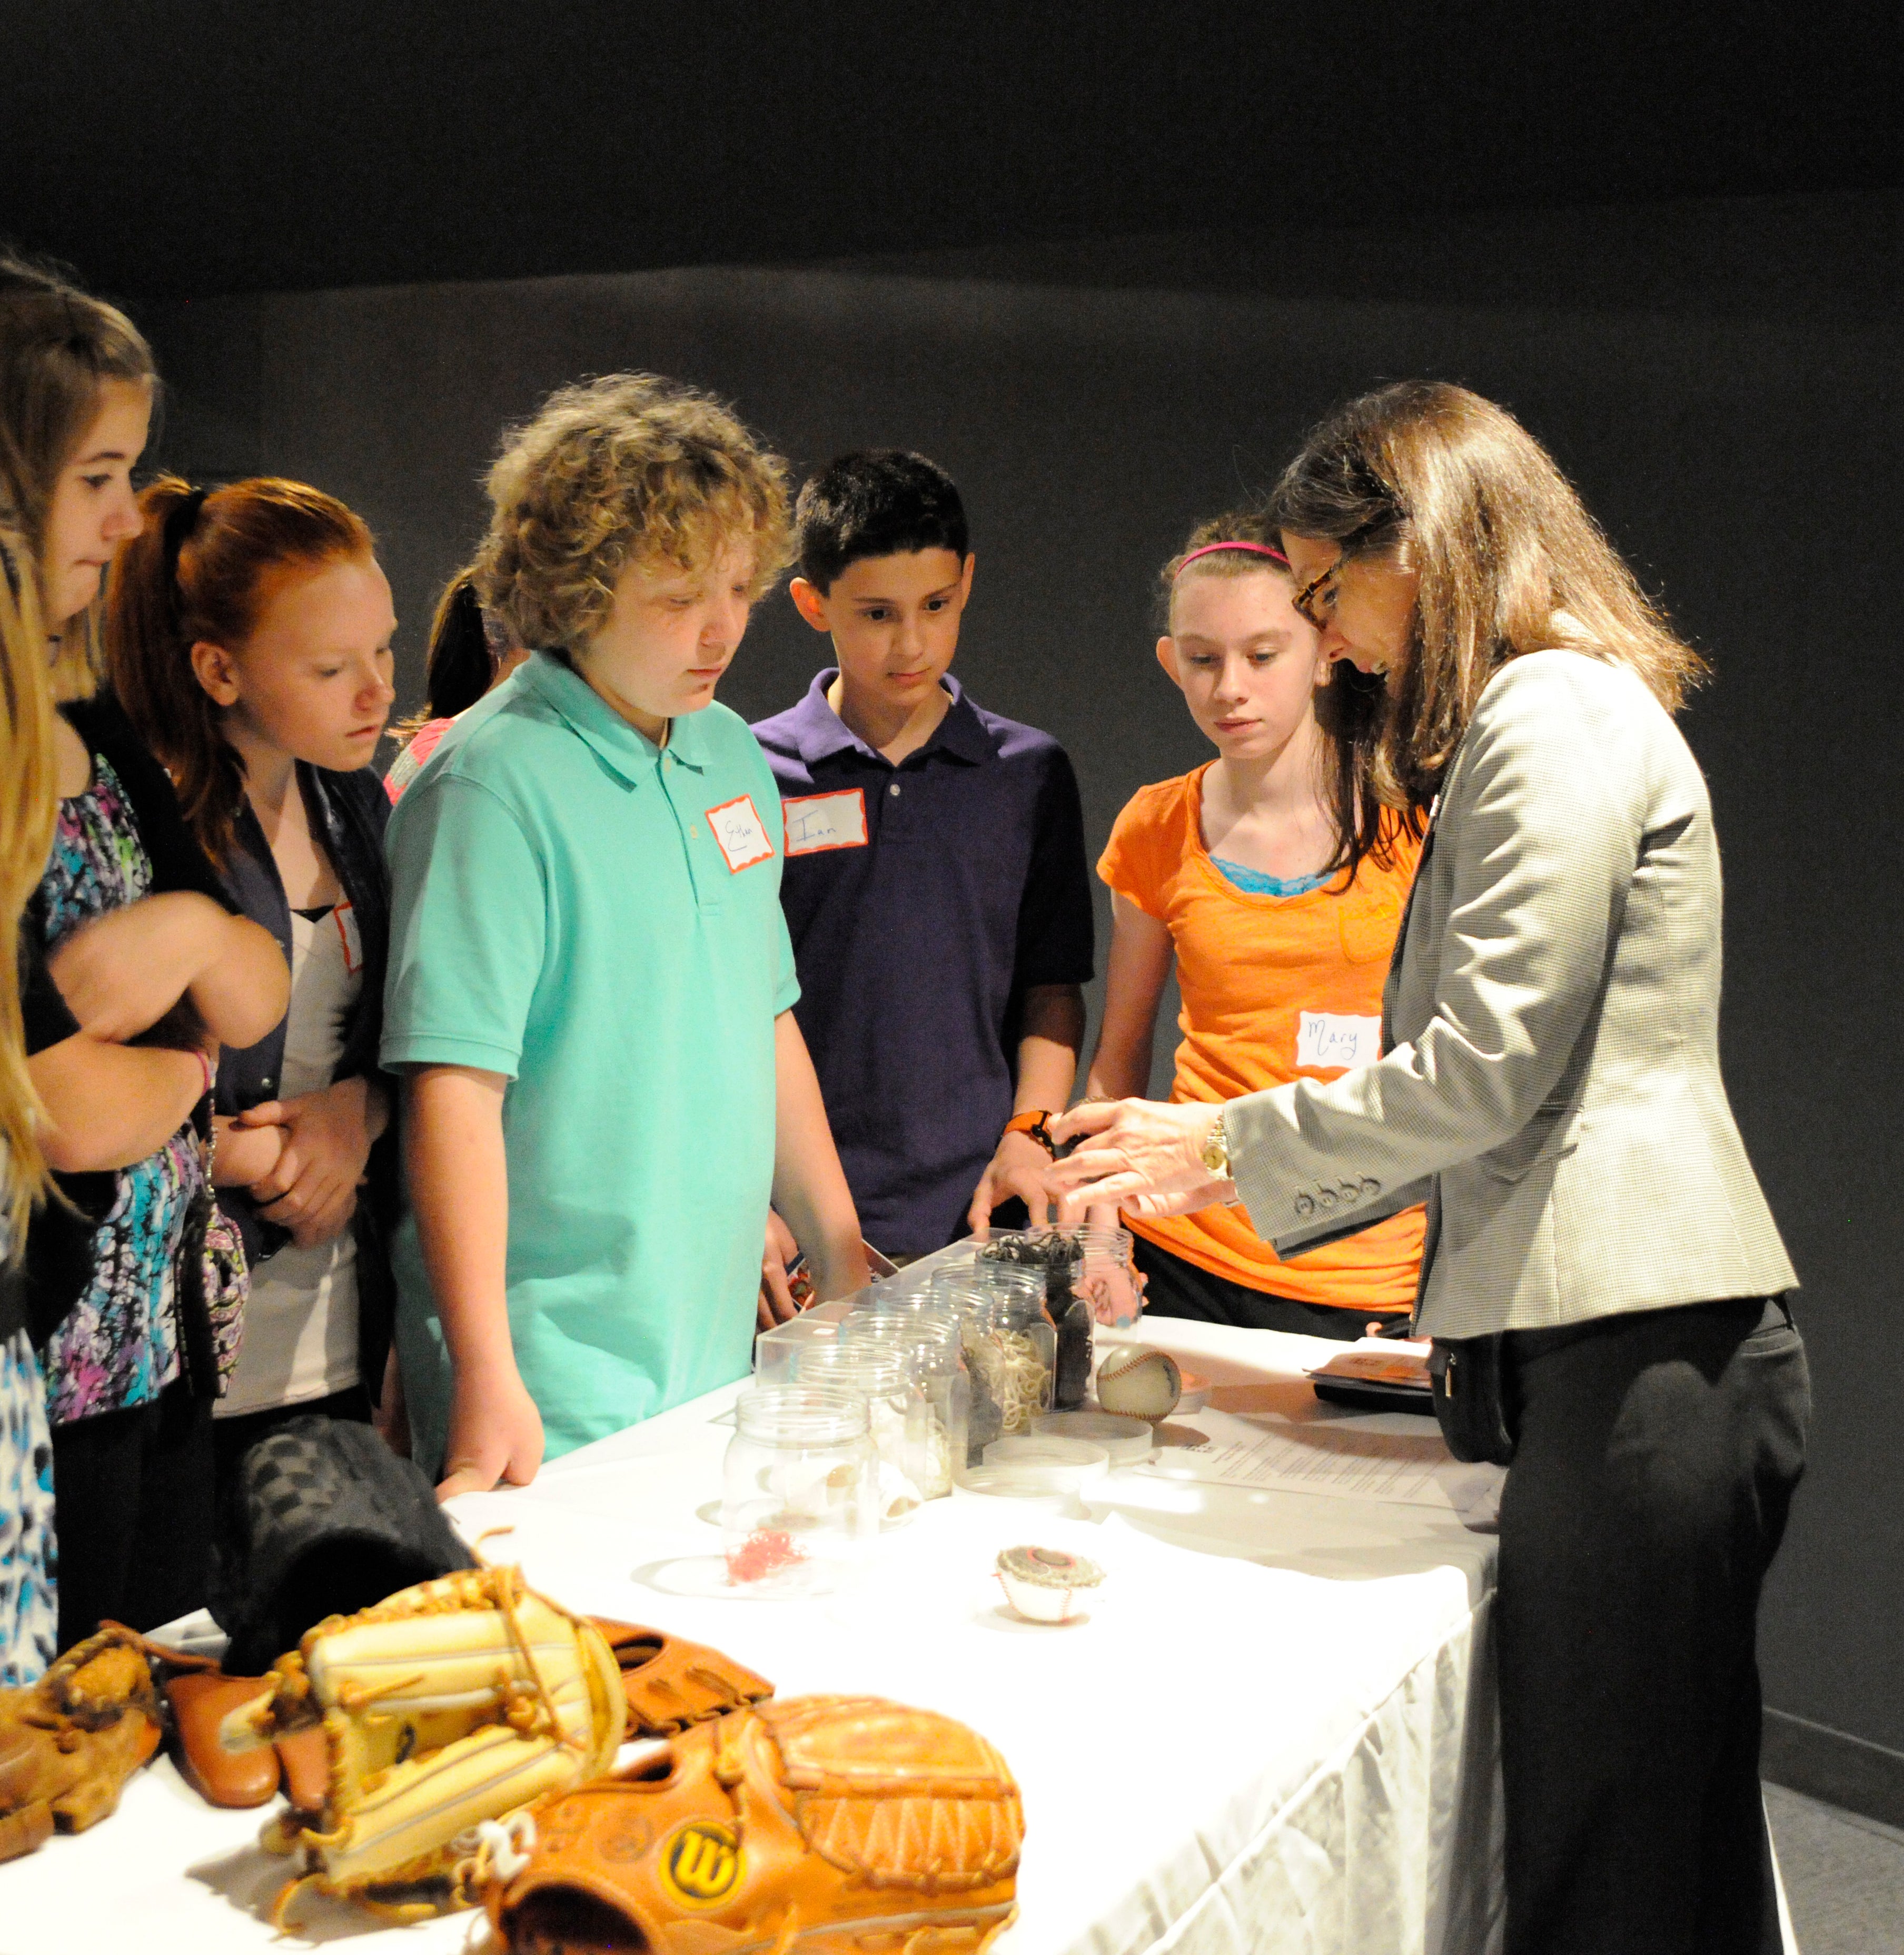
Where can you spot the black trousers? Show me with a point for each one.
(1656, 1459)
(132, 1502)
(1179, 1288)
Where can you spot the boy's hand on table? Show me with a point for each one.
(1018, 1168)
(779, 1303)
(495, 1432)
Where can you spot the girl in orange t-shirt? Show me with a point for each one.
(1277, 882)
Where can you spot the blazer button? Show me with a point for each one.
(1371, 1187)
(1304, 1206)
(267, 1082)
(1327, 1196)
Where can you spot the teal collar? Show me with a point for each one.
(630, 756)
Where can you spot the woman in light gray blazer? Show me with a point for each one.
(1550, 1086)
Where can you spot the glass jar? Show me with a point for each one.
(1089, 1280)
(799, 1489)
(1056, 1255)
(899, 1419)
(1101, 1287)
(1012, 1349)
(1107, 1278)
(972, 1306)
(926, 1341)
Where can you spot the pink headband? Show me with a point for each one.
(1256, 549)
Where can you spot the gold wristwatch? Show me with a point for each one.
(1216, 1151)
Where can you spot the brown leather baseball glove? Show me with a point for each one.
(670, 1683)
(832, 1824)
(69, 1743)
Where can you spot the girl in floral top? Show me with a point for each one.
(141, 945)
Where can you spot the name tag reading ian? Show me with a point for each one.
(1335, 1038)
(737, 826)
(815, 822)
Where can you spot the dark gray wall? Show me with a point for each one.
(1732, 416)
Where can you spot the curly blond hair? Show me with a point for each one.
(630, 468)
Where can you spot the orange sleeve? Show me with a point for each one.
(1145, 847)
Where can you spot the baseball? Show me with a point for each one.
(1140, 1380)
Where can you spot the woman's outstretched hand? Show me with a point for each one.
(1140, 1155)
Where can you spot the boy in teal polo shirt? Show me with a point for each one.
(591, 984)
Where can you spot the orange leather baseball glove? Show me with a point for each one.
(831, 1824)
(670, 1683)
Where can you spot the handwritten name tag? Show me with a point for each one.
(1334, 1038)
(815, 822)
(345, 917)
(737, 826)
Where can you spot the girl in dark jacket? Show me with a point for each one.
(248, 633)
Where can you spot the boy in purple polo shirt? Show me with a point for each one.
(935, 884)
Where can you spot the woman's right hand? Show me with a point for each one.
(495, 1432)
(121, 973)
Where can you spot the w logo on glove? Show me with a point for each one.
(703, 1862)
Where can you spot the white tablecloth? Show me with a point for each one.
(1274, 1732)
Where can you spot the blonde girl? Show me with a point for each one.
(140, 941)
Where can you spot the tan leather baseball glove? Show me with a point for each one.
(69, 1743)
(832, 1825)
(459, 1700)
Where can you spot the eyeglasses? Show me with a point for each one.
(1312, 603)
(1309, 606)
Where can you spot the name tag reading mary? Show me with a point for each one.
(1337, 1038)
(815, 822)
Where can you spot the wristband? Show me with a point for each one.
(1033, 1123)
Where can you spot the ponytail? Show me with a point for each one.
(462, 662)
(200, 571)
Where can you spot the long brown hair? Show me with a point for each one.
(202, 568)
(58, 347)
(27, 808)
(1436, 479)
(1348, 708)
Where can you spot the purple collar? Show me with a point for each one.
(818, 730)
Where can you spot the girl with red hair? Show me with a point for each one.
(248, 634)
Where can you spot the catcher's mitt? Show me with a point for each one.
(69, 1743)
(832, 1824)
(457, 1700)
(670, 1683)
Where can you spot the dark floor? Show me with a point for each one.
(1844, 1876)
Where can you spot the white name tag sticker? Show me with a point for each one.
(737, 826)
(816, 822)
(1335, 1038)
(345, 918)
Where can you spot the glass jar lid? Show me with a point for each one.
(800, 1415)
